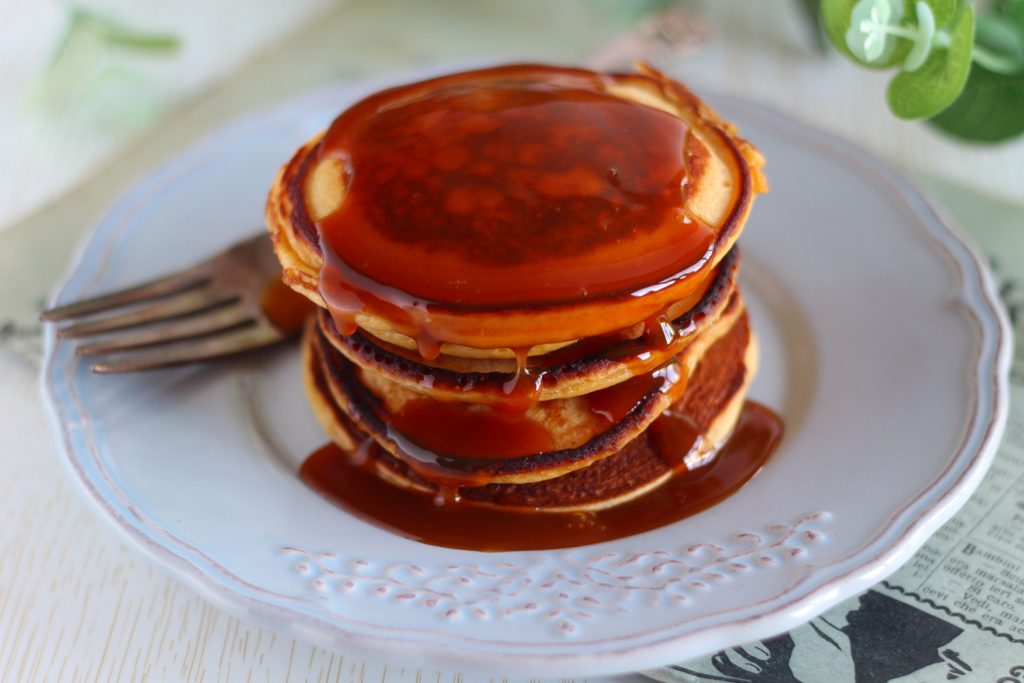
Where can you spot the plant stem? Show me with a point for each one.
(996, 63)
(901, 32)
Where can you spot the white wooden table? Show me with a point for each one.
(78, 605)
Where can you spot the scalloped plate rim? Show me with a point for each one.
(857, 571)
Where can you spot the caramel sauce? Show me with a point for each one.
(455, 471)
(517, 187)
(669, 432)
(462, 430)
(615, 402)
(446, 519)
(519, 390)
(475, 201)
(522, 390)
(450, 441)
(286, 309)
(658, 332)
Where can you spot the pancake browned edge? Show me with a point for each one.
(291, 218)
(581, 438)
(713, 400)
(482, 380)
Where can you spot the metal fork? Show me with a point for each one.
(215, 308)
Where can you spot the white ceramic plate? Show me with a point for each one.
(882, 346)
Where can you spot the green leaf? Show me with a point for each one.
(117, 34)
(990, 108)
(999, 34)
(147, 42)
(999, 44)
(945, 11)
(835, 17)
(1012, 10)
(933, 87)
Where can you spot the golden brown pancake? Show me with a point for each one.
(722, 175)
(527, 284)
(579, 437)
(711, 403)
(574, 370)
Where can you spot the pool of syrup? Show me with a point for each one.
(452, 521)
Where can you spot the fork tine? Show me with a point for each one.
(191, 301)
(160, 287)
(190, 351)
(184, 328)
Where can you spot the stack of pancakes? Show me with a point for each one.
(512, 347)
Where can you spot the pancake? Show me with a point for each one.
(574, 370)
(404, 291)
(710, 406)
(526, 281)
(579, 436)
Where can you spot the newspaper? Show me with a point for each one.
(956, 610)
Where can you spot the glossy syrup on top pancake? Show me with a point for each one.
(512, 187)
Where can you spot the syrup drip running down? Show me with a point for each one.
(659, 332)
(285, 309)
(522, 390)
(615, 402)
(450, 521)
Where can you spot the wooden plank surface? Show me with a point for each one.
(76, 604)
